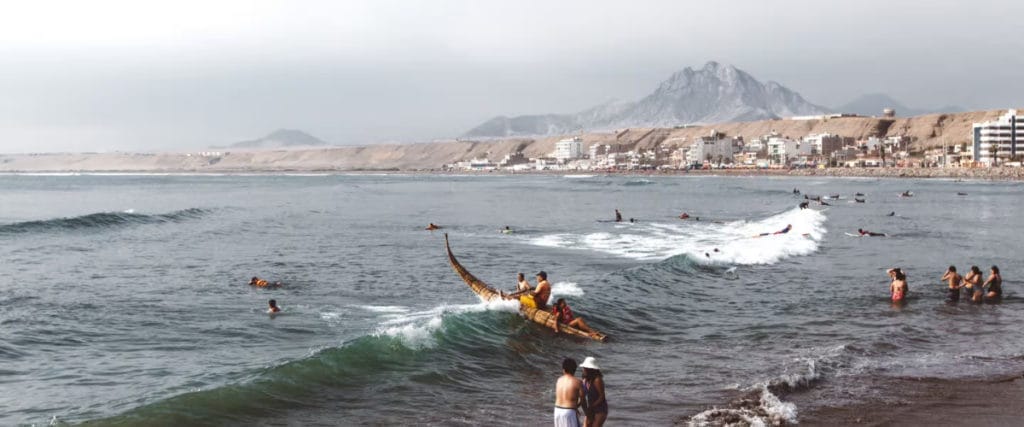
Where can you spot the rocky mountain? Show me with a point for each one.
(282, 138)
(715, 93)
(872, 105)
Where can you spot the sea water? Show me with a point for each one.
(123, 299)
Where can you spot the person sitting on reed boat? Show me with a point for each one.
(522, 284)
(538, 297)
(563, 315)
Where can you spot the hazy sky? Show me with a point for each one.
(148, 75)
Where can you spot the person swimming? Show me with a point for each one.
(260, 283)
(684, 215)
(506, 230)
(893, 213)
(864, 232)
(432, 227)
(273, 308)
(804, 205)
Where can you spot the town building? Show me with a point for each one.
(568, 149)
(996, 141)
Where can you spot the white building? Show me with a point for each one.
(568, 149)
(783, 150)
(996, 141)
(717, 150)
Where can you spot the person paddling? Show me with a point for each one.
(864, 232)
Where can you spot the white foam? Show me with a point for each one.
(416, 329)
(734, 240)
(577, 176)
(566, 289)
(385, 308)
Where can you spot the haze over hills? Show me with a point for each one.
(715, 93)
(872, 104)
(282, 138)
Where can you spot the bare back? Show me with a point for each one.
(568, 391)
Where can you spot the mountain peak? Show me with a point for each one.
(282, 138)
(715, 93)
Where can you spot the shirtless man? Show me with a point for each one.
(568, 396)
(955, 283)
(542, 292)
(522, 284)
(618, 216)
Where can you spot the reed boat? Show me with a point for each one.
(487, 293)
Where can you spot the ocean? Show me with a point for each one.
(124, 298)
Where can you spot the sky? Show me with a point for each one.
(185, 75)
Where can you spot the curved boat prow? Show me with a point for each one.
(488, 293)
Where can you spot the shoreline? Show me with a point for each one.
(974, 174)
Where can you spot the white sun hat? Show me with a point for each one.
(590, 363)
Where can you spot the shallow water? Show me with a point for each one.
(123, 298)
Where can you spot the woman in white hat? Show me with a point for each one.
(593, 391)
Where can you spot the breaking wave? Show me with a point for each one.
(737, 242)
(100, 220)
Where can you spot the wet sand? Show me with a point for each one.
(922, 402)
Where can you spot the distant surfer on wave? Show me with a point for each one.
(782, 231)
(506, 230)
(684, 215)
(433, 227)
(618, 216)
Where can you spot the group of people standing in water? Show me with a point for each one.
(974, 286)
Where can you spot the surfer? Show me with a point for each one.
(506, 230)
(994, 285)
(684, 215)
(568, 396)
(898, 288)
(273, 307)
(893, 213)
(260, 283)
(906, 194)
(782, 231)
(563, 315)
(618, 216)
(433, 227)
(795, 191)
(864, 232)
(804, 205)
(955, 283)
(972, 286)
(632, 220)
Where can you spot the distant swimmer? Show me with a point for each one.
(994, 285)
(820, 202)
(955, 282)
(563, 315)
(859, 194)
(782, 231)
(506, 230)
(804, 205)
(632, 220)
(260, 283)
(898, 288)
(961, 193)
(684, 215)
(858, 200)
(864, 232)
(907, 193)
(795, 191)
(893, 213)
(273, 307)
(618, 216)
(432, 227)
